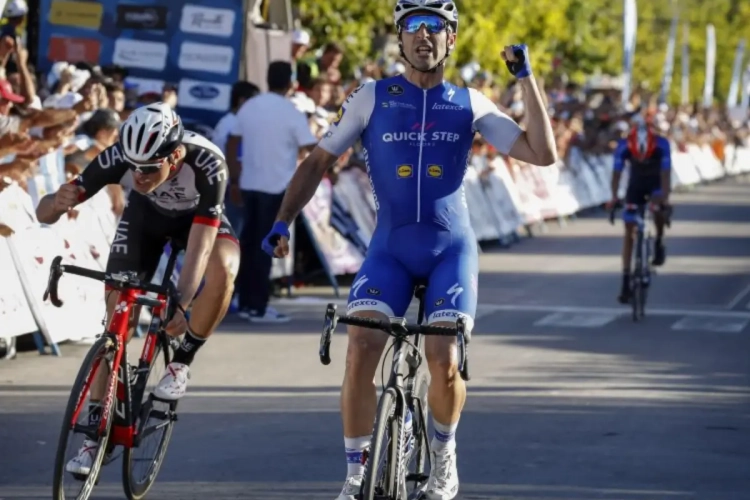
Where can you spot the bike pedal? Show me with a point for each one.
(412, 476)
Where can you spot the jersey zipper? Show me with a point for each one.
(419, 164)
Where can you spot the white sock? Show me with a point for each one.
(445, 436)
(355, 448)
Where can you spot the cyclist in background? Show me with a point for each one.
(417, 131)
(177, 182)
(650, 178)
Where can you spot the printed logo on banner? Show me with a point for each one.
(73, 49)
(204, 57)
(140, 54)
(146, 84)
(207, 21)
(204, 95)
(79, 14)
(143, 17)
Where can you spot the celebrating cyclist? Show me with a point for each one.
(417, 132)
(177, 181)
(650, 179)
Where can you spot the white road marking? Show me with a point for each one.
(576, 320)
(738, 298)
(711, 324)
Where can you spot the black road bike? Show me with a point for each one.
(394, 458)
(641, 276)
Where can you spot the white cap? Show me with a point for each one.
(303, 103)
(301, 37)
(63, 101)
(16, 8)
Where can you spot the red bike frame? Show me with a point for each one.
(123, 426)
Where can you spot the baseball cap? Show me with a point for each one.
(301, 37)
(16, 8)
(6, 92)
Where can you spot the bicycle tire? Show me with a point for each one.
(637, 280)
(372, 487)
(133, 489)
(102, 345)
(420, 419)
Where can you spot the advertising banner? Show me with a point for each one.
(195, 44)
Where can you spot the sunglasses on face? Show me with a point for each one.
(434, 24)
(149, 169)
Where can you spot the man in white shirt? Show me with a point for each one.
(273, 134)
(241, 92)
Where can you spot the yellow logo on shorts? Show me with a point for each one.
(435, 171)
(405, 171)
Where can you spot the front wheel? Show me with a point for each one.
(76, 422)
(419, 459)
(381, 478)
(154, 424)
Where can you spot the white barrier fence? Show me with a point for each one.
(501, 200)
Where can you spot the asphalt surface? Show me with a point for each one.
(570, 399)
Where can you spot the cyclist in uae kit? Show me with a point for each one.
(650, 178)
(417, 132)
(177, 181)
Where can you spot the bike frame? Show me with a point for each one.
(124, 432)
(643, 239)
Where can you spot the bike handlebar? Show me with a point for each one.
(119, 281)
(666, 209)
(397, 327)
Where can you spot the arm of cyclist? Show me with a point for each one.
(620, 156)
(203, 231)
(535, 145)
(351, 121)
(107, 168)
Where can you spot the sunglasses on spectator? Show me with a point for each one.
(434, 24)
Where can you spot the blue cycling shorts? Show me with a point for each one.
(394, 263)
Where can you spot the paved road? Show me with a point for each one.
(570, 399)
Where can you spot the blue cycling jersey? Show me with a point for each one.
(416, 148)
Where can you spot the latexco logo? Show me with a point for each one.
(447, 107)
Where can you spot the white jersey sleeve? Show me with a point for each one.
(351, 121)
(495, 126)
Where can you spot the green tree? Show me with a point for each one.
(586, 35)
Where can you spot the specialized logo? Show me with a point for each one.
(451, 93)
(358, 284)
(405, 171)
(435, 171)
(454, 292)
(447, 107)
(436, 136)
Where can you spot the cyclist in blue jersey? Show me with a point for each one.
(417, 131)
(650, 177)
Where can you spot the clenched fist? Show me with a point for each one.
(67, 197)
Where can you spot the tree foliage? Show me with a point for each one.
(585, 36)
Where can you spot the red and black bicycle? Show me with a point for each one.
(131, 416)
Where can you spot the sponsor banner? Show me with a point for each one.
(140, 54)
(141, 17)
(74, 49)
(204, 95)
(200, 20)
(205, 57)
(156, 40)
(78, 14)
